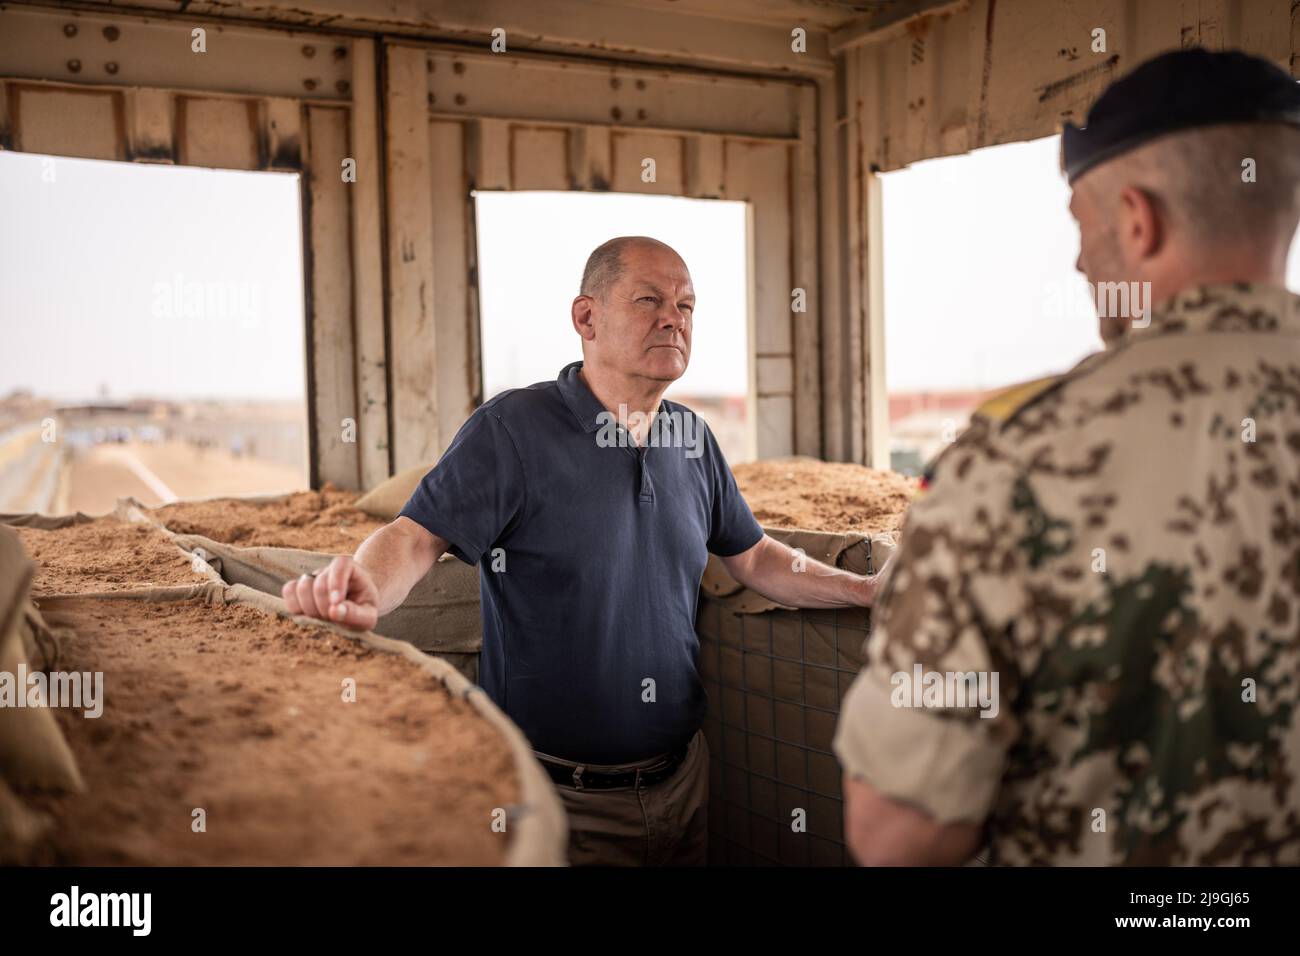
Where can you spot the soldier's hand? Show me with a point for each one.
(342, 592)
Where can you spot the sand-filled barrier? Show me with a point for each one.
(825, 496)
(325, 521)
(209, 728)
(103, 555)
(264, 542)
(297, 745)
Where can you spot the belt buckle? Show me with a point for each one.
(577, 777)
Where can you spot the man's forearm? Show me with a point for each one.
(396, 557)
(779, 573)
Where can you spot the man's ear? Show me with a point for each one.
(1141, 228)
(584, 317)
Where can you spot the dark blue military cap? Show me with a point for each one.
(1177, 91)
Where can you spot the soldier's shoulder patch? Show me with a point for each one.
(1000, 407)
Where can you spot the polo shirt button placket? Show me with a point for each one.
(647, 493)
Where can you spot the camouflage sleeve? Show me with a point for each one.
(927, 722)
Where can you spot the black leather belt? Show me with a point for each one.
(578, 776)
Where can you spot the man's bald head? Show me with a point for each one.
(607, 263)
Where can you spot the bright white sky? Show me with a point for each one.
(87, 263)
(979, 258)
(533, 246)
(980, 285)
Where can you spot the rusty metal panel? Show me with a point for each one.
(411, 255)
(650, 163)
(280, 134)
(123, 49)
(489, 148)
(590, 158)
(530, 87)
(861, 154)
(775, 426)
(998, 71)
(805, 275)
(6, 125)
(737, 34)
(151, 126)
(221, 133)
(66, 122)
(456, 324)
(760, 173)
(775, 375)
(329, 311)
(539, 157)
(367, 269)
(705, 175)
(1043, 69)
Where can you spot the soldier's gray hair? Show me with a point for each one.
(605, 264)
(1198, 179)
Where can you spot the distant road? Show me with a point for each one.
(156, 473)
(29, 470)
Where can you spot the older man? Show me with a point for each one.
(1120, 547)
(590, 505)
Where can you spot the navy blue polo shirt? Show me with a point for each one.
(590, 553)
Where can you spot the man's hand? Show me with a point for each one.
(775, 571)
(342, 592)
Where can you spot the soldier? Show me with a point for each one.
(1089, 648)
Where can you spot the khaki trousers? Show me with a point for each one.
(661, 825)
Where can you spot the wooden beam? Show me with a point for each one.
(804, 275)
(329, 302)
(414, 408)
(367, 267)
(150, 126)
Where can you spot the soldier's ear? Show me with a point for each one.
(1141, 224)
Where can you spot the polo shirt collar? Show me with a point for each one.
(586, 407)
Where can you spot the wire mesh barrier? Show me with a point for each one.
(775, 681)
(775, 678)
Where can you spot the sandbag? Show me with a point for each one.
(33, 751)
(539, 828)
(20, 826)
(440, 616)
(386, 499)
(128, 512)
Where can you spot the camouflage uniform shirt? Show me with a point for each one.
(1122, 550)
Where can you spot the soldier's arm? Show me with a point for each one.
(922, 775)
(881, 831)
